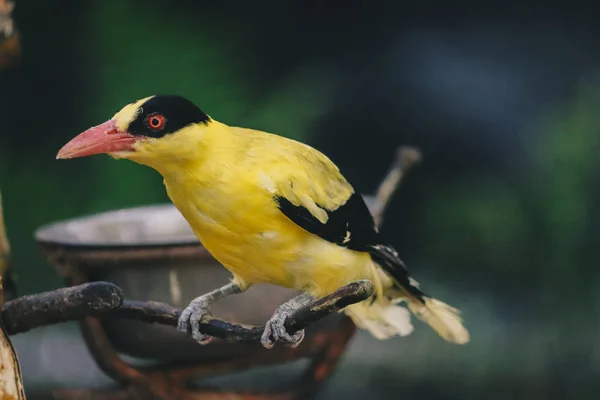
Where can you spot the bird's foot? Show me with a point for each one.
(190, 318)
(275, 330)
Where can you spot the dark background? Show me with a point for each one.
(500, 219)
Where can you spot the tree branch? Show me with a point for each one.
(406, 158)
(102, 298)
(161, 313)
(60, 305)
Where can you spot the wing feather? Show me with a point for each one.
(310, 190)
(318, 198)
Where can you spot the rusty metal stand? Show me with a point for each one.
(174, 383)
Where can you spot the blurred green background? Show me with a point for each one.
(500, 219)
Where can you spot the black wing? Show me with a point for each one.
(352, 226)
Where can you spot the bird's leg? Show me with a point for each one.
(192, 315)
(275, 330)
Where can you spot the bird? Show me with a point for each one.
(271, 210)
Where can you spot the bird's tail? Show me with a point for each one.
(399, 286)
(382, 318)
(444, 319)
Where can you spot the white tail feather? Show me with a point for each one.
(444, 319)
(382, 319)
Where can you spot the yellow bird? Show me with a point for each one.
(271, 210)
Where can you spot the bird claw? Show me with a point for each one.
(275, 331)
(189, 321)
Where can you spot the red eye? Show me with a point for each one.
(156, 121)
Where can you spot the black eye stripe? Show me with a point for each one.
(176, 112)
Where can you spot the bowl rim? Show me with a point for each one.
(44, 233)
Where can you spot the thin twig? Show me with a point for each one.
(406, 157)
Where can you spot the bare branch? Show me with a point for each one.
(161, 313)
(406, 157)
(101, 298)
(60, 305)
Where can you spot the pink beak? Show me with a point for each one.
(101, 139)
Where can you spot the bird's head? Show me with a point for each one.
(153, 128)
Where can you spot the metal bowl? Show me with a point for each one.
(152, 254)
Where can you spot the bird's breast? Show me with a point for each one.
(248, 235)
(254, 240)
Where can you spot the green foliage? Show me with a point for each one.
(130, 51)
(476, 224)
(531, 231)
(147, 51)
(562, 181)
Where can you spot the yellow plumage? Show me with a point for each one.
(225, 181)
(225, 191)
